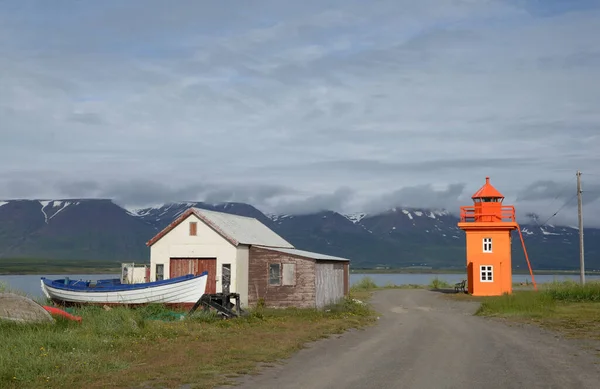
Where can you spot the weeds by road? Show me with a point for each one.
(152, 347)
(567, 307)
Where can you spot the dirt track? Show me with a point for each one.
(424, 340)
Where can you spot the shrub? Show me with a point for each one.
(436, 283)
(365, 283)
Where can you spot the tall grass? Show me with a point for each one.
(124, 340)
(542, 302)
(574, 292)
(437, 283)
(38, 353)
(528, 303)
(365, 283)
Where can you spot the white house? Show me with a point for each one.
(259, 262)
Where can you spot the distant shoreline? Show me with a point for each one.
(32, 266)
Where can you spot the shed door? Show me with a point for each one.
(329, 283)
(183, 266)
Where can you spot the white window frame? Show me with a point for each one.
(486, 273)
(487, 245)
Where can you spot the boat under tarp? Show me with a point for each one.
(184, 290)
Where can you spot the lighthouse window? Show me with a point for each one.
(487, 245)
(486, 273)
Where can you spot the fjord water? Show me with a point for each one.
(30, 284)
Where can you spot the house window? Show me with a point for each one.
(160, 272)
(289, 274)
(274, 274)
(193, 228)
(486, 273)
(487, 245)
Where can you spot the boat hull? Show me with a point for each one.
(183, 291)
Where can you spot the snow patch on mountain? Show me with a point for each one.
(61, 205)
(526, 231)
(44, 204)
(355, 217)
(404, 211)
(3, 203)
(277, 218)
(163, 208)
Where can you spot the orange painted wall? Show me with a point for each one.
(499, 258)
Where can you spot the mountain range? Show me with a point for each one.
(99, 229)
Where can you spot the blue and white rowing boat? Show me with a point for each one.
(184, 290)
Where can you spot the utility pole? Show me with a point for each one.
(580, 216)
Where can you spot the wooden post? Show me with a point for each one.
(580, 217)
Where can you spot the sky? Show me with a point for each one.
(297, 107)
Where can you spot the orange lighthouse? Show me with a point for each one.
(488, 225)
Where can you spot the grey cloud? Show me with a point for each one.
(552, 190)
(87, 118)
(374, 166)
(20, 188)
(256, 195)
(335, 201)
(78, 188)
(289, 101)
(423, 196)
(139, 193)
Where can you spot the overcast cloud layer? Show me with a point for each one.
(305, 105)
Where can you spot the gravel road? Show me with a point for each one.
(424, 340)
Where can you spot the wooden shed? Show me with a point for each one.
(249, 258)
(284, 277)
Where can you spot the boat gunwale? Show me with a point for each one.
(55, 284)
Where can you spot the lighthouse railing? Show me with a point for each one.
(506, 213)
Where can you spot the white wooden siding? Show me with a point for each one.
(329, 282)
(178, 243)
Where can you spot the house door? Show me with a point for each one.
(183, 266)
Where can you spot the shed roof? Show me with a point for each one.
(306, 254)
(487, 191)
(236, 229)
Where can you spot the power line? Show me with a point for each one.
(567, 185)
(560, 209)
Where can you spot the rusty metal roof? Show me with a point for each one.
(306, 254)
(236, 229)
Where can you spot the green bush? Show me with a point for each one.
(365, 283)
(436, 283)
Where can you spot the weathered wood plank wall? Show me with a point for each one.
(296, 287)
(330, 283)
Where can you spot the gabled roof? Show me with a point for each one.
(305, 254)
(487, 190)
(236, 229)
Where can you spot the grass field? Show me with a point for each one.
(567, 307)
(151, 347)
(52, 266)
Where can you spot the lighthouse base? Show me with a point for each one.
(489, 278)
